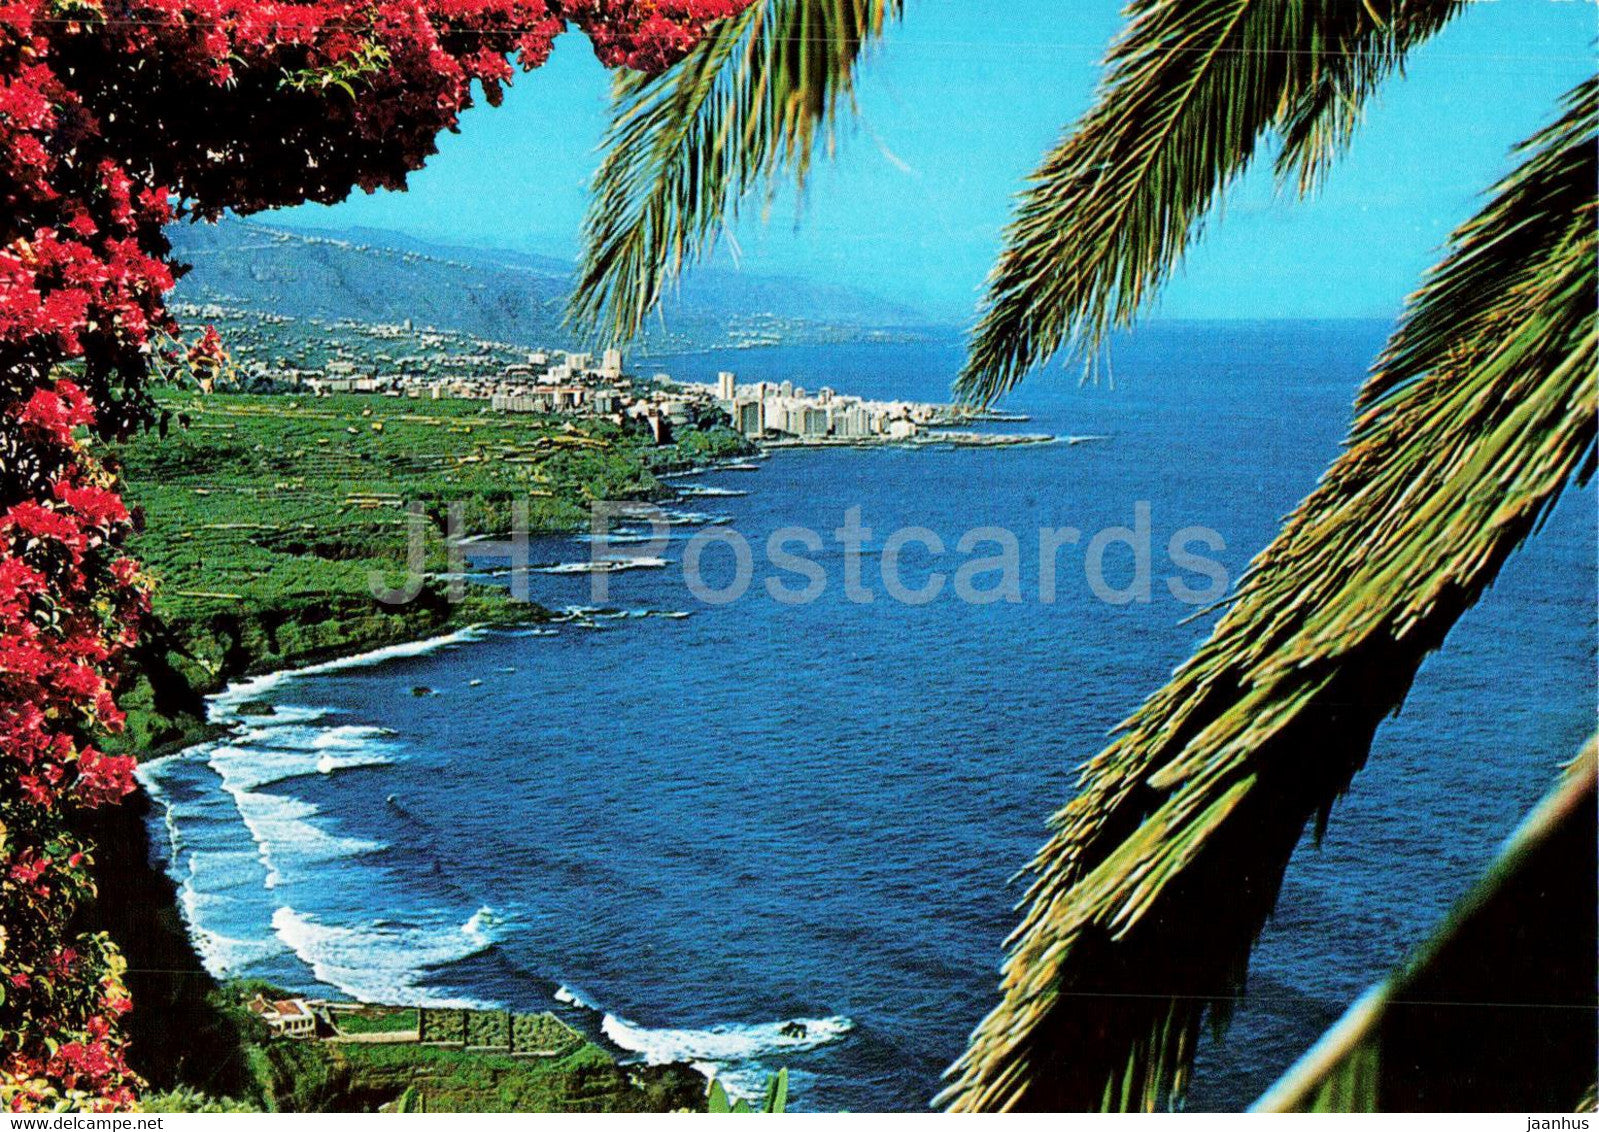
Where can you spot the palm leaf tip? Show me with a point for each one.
(1148, 898)
(684, 148)
(1496, 1011)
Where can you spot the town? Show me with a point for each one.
(405, 361)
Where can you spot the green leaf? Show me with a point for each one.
(1194, 87)
(777, 1093)
(1495, 1012)
(686, 146)
(1164, 866)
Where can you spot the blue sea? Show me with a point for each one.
(685, 832)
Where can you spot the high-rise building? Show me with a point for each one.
(749, 418)
(725, 386)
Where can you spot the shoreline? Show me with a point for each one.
(632, 1047)
(941, 438)
(228, 703)
(140, 904)
(361, 640)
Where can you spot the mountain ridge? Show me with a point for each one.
(377, 275)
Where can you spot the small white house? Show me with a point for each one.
(287, 1017)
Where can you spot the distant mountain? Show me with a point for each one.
(377, 276)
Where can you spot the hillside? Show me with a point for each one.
(372, 276)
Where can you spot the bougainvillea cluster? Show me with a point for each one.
(118, 117)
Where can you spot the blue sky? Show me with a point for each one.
(958, 105)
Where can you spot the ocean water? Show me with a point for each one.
(687, 832)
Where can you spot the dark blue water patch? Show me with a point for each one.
(707, 828)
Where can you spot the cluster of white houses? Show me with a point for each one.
(580, 384)
(567, 384)
(780, 410)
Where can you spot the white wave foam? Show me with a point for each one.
(703, 491)
(220, 887)
(607, 565)
(694, 519)
(262, 756)
(383, 962)
(332, 764)
(481, 926)
(150, 776)
(738, 1055)
(223, 955)
(725, 1044)
(225, 704)
(571, 997)
(618, 537)
(286, 714)
(284, 836)
(349, 735)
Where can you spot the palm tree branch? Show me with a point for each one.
(1319, 120)
(685, 147)
(1192, 89)
(1456, 1028)
(1164, 866)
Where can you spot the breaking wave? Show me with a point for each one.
(385, 962)
(740, 1055)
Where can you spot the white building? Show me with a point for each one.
(749, 417)
(286, 1017)
(725, 385)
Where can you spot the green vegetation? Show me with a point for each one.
(542, 1034)
(189, 1100)
(269, 516)
(298, 1075)
(775, 1100)
(377, 1020)
(438, 1079)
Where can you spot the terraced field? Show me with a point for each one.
(267, 518)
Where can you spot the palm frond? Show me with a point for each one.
(1319, 120)
(1149, 896)
(1193, 89)
(1495, 1013)
(685, 147)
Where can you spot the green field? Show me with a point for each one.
(266, 518)
(377, 1020)
(294, 1075)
